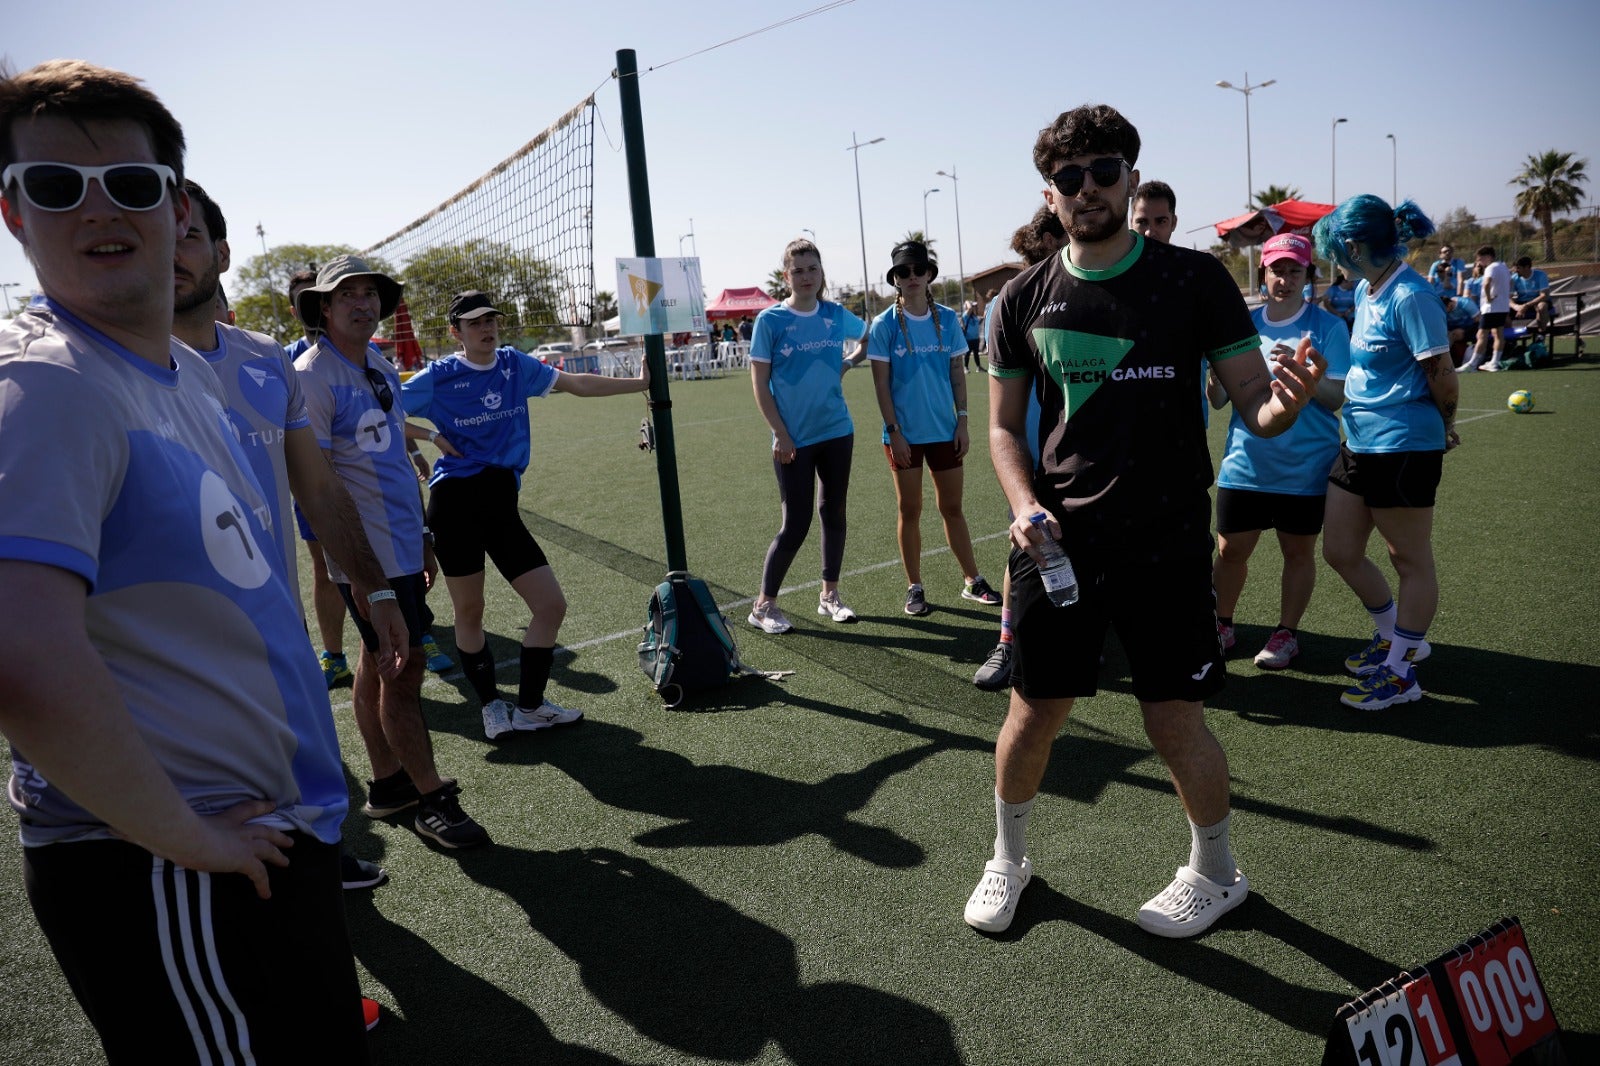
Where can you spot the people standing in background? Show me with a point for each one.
(797, 358)
(916, 347)
(971, 323)
(1281, 482)
(1340, 299)
(1495, 307)
(1399, 419)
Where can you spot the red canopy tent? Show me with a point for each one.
(1287, 216)
(407, 352)
(737, 303)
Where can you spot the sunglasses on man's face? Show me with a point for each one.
(1106, 172)
(904, 271)
(380, 388)
(63, 186)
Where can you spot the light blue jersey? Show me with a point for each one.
(919, 371)
(805, 350)
(1387, 404)
(1296, 462)
(1463, 315)
(368, 450)
(1341, 300)
(482, 410)
(1524, 289)
(129, 476)
(1473, 287)
(264, 403)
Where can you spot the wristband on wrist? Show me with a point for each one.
(433, 436)
(374, 598)
(961, 412)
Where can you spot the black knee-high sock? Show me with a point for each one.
(479, 668)
(535, 675)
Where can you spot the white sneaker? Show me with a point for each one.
(497, 719)
(1191, 904)
(767, 618)
(832, 607)
(546, 715)
(994, 902)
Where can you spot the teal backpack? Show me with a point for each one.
(687, 646)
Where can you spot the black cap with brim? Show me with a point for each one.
(912, 254)
(471, 304)
(308, 301)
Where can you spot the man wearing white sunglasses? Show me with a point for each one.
(168, 731)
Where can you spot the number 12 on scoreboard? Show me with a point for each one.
(1406, 1028)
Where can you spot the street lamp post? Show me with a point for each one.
(961, 265)
(277, 319)
(1249, 177)
(1394, 163)
(861, 218)
(4, 285)
(925, 194)
(1333, 164)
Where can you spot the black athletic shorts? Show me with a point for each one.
(173, 965)
(941, 455)
(1389, 479)
(476, 516)
(1493, 319)
(411, 592)
(1165, 615)
(1245, 510)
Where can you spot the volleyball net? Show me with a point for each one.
(523, 232)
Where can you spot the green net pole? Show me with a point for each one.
(655, 352)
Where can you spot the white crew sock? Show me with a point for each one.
(1383, 620)
(1209, 854)
(1011, 820)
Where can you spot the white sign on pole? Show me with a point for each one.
(660, 296)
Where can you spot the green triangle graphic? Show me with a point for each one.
(1079, 362)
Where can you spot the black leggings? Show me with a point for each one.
(828, 462)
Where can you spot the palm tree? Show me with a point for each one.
(917, 235)
(778, 286)
(1550, 183)
(1276, 194)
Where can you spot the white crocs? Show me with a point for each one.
(994, 901)
(1191, 904)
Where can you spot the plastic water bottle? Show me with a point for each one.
(1060, 580)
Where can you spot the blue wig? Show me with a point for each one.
(1372, 224)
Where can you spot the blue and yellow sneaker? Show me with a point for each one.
(1382, 688)
(438, 661)
(334, 668)
(1372, 656)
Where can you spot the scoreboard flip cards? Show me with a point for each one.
(1479, 1004)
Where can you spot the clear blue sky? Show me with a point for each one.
(340, 123)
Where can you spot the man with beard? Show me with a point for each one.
(268, 414)
(1110, 335)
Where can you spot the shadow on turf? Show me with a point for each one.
(1309, 1010)
(677, 966)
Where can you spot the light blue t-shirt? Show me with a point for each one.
(1387, 404)
(1526, 288)
(129, 476)
(482, 410)
(1474, 288)
(1436, 270)
(1463, 315)
(1296, 462)
(805, 350)
(919, 371)
(368, 451)
(1340, 299)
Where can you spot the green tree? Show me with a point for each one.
(605, 305)
(917, 235)
(1276, 194)
(1550, 182)
(530, 291)
(778, 286)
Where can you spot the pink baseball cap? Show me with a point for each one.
(1287, 246)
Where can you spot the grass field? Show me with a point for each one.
(775, 873)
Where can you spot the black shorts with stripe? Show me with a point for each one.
(179, 966)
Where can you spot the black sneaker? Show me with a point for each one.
(394, 794)
(916, 602)
(978, 591)
(995, 673)
(441, 819)
(359, 873)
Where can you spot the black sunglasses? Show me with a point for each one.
(1106, 172)
(380, 388)
(63, 186)
(906, 271)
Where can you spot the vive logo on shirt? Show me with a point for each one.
(1081, 362)
(225, 532)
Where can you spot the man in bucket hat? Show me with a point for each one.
(351, 398)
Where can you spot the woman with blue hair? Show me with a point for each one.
(1399, 420)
